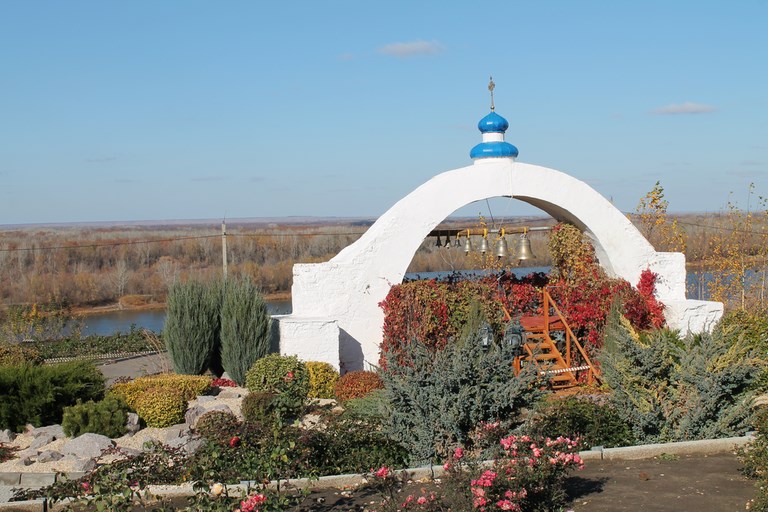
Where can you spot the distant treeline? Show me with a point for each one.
(87, 266)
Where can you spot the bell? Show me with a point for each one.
(467, 244)
(447, 242)
(439, 243)
(457, 242)
(524, 248)
(501, 248)
(484, 245)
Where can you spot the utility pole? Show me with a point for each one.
(224, 247)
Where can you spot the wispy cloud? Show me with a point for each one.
(411, 48)
(208, 178)
(750, 163)
(683, 108)
(347, 56)
(603, 182)
(257, 179)
(747, 174)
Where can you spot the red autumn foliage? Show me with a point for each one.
(356, 384)
(434, 311)
(223, 383)
(586, 305)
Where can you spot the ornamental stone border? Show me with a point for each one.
(102, 357)
(350, 481)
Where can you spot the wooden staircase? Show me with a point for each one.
(550, 344)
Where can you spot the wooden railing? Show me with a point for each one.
(547, 303)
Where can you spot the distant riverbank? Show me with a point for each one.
(106, 322)
(131, 305)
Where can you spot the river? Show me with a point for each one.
(111, 322)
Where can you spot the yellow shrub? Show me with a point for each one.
(161, 407)
(127, 391)
(186, 386)
(322, 379)
(190, 386)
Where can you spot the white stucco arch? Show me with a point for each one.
(336, 315)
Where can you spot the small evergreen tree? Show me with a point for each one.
(671, 388)
(715, 387)
(640, 376)
(439, 397)
(245, 327)
(192, 325)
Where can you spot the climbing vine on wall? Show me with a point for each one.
(434, 311)
(585, 293)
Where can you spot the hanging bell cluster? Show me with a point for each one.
(463, 239)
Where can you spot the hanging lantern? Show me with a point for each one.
(486, 336)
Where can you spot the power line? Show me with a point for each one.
(111, 244)
(159, 240)
(262, 235)
(721, 228)
(708, 226)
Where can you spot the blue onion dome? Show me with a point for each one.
(493, 150)
(493, 123)
(493, 127)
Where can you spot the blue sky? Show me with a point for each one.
(151, 109)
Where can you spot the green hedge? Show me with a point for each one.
(39, 394)
(132, 341)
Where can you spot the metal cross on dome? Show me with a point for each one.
(491, 87)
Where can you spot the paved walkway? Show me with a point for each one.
(135, 366)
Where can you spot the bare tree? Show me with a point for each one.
(168, 270)
(120, 276)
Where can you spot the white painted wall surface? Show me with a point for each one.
(349, 288)
(311, 339)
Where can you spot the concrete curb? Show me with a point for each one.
(703, 447)
(350, 481)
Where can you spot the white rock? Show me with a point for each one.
(7, 435)
(132, 423)
(42, 440)
(55, 431)
(195, 412)
(49, 456)
(87, 446)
